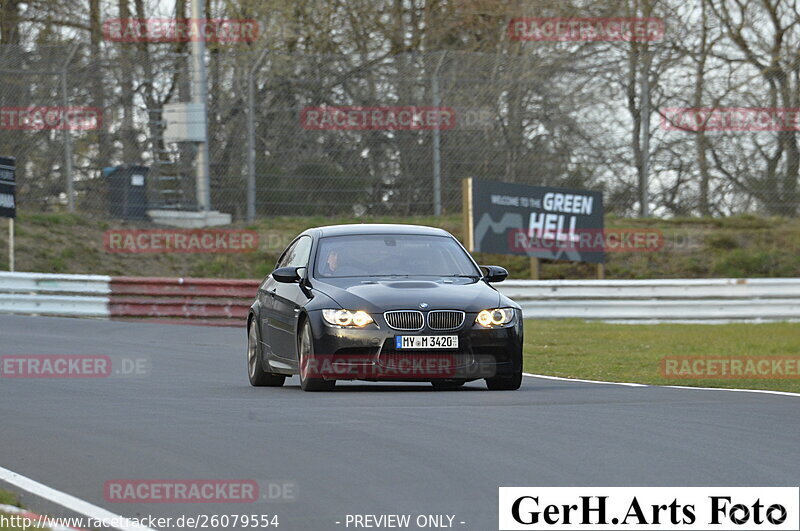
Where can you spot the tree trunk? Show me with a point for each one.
(9, 21)
(130, 145)
(701, 142)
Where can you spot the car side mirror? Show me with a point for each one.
(287, 275)
(494, 273)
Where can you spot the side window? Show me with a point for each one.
(287, 255)
(297, 254)
(301, 252)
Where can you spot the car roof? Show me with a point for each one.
(378, 228)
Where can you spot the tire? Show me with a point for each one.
(508, 382)
(447, 385)
(259, 377)
(505, 383)
(305, 351)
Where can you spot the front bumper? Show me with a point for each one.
(369, 353)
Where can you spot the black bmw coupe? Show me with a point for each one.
(383, 303)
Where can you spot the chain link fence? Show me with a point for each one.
(395, 134)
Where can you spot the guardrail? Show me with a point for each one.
(186, 300)
(225, 302)
(772, 299)
(56, 295)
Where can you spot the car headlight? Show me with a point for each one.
(495, 317)
(358, 319)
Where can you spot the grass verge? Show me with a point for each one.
(743, 246)
(9, 498)
(14, 528)
(634, 353)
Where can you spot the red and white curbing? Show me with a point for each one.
(37, 519)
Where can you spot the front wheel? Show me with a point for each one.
(305, 351)
(259, 377)
(505, 383)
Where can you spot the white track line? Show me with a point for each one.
(545, 377)
(761, 391)
(70, 502)
(629, 384)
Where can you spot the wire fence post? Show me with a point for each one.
(11, 244)
(251, 137)
(437, 150)
(67, 135)
(644, 207)
(200, 96)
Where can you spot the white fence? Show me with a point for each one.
(769, 299)
(54, 295)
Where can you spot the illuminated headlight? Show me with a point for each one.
(495, 317)
(358, 318)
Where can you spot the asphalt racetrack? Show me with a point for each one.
(364, 448)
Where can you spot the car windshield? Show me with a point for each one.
(378, 255)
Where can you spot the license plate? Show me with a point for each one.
(425, 342)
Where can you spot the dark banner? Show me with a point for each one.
(8, 188)
(537, 221)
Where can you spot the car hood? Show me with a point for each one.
(398, 294)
